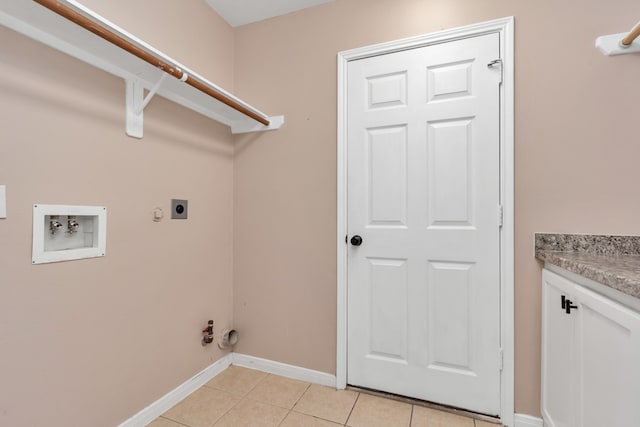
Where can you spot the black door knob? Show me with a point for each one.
(356, 240)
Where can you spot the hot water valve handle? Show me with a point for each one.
(208, 333)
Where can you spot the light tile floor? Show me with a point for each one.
(241, 397)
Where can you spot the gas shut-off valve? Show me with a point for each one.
(207, 337)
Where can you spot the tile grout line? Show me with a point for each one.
(318, 417)
(226, 412)
(411, 417)
(285, 417)
(352, 408)
(173, 421)
(295, 403)
(241, 398)
(256, 384)
(303, 393)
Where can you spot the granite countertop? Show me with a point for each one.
(613, 261)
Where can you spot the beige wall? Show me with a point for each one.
(576, 157)
(92, 342)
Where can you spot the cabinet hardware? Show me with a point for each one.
(569, 305)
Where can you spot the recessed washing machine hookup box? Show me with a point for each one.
(64, 233)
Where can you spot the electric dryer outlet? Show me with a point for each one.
(179, 208)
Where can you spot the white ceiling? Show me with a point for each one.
(240, 12)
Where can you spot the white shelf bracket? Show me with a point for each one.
(612, 44)
(151, 94)
(134, 99)
(249, 125)
(136, 103)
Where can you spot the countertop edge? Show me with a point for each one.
(598, 273)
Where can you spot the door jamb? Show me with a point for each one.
(505, 28)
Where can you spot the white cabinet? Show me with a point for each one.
(558, 354)
(590, 357)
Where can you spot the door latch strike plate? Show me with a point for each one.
(496, 63)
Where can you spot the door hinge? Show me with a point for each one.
(500, 215)
(496, 63)
(501, 355)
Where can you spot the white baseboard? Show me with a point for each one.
(170, 399)
(521, 420)
(284, 370)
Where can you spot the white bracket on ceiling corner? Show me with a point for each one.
(136, 103)
(246, 126)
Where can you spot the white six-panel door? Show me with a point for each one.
(423, 194)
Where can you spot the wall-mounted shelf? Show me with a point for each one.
(38, 22)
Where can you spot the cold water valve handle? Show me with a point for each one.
(72, 224)
(208, 333)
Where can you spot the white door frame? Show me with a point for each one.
(505, 28)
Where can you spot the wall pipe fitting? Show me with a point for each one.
(229, 339)
(208, 334)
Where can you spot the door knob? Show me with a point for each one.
(356, 240)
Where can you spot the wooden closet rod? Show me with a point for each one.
(124, 44)
(633, 34)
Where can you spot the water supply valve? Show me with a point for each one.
(72, 224)
(54, 224)
(207, 338)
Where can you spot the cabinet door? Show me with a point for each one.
(608, 359)
(558, 353)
